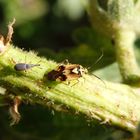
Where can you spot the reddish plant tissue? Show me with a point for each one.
(13, 110)
(4, 41)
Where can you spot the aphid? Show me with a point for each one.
(5, 41)
(24, 66)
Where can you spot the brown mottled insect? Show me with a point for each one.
(66, 72)
(73, 71)
(5, 41)
(55, 75)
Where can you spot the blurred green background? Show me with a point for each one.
(58, 30)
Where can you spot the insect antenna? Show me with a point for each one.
(100, 57)
(99, 79)
(37, 64)
(95, 64)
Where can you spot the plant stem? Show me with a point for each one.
(124, 40)
(111, 103)
(119, 20)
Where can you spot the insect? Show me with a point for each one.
(24, 66)
(5, 41)
(73, 71)
(67, 72)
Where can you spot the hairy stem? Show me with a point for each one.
(126, 59)
(111, 103)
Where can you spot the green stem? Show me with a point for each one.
(111, 103)
(124, 40)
